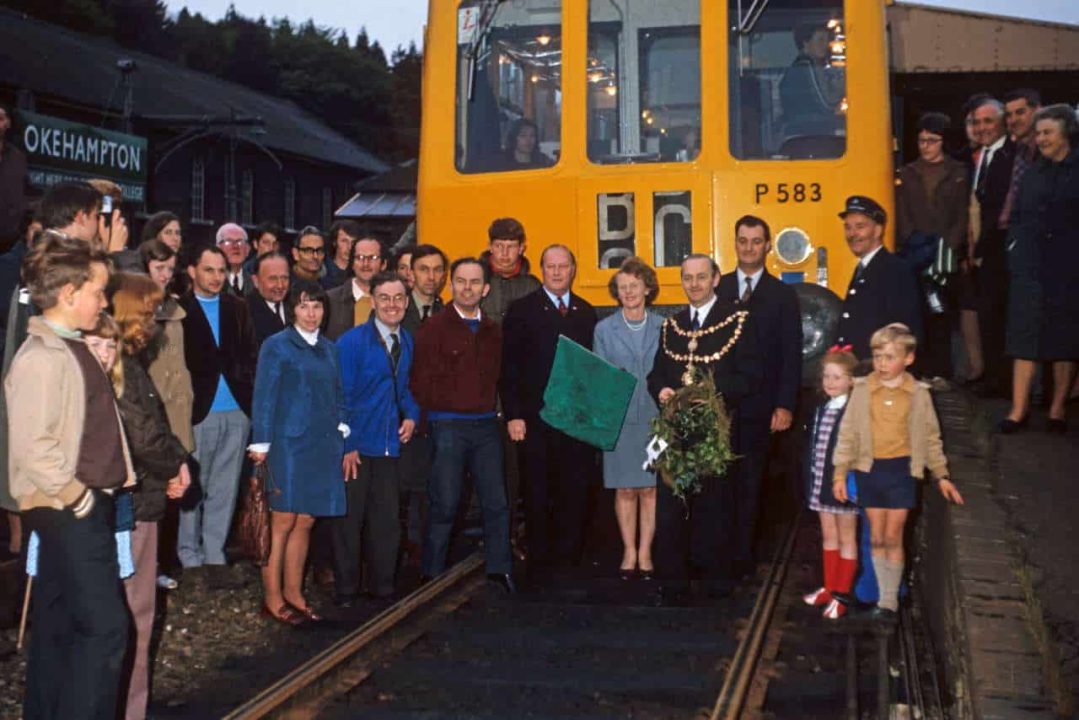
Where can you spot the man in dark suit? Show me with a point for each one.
(773, 307)
(267, 303)
(219, 346)
(688, 535)
(557, 468)
(991, 178)
(232, 239)
(883, 289)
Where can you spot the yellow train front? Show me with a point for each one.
(647, 127)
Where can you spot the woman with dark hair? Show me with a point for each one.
(164, 226)
(159, 457)
(1043, 261)
(298, 431)
(168, 370)
(522, 146)
(931, 199)
(629, 339)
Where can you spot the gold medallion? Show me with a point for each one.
(692, 346)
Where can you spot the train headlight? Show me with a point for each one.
(793, 246)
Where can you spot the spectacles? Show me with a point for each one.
(311, 251)
(231, 241)
(394, 299)
(368, 258)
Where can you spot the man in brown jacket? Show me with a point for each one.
(67, 456)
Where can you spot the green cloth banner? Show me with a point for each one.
(586, 397)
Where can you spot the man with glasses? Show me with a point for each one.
(232, 239)
(350, 304)
(375, 360)
(307, 255)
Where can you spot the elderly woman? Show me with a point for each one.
(629, 339)
(931, 199)
(297, 425)
(1043, 260)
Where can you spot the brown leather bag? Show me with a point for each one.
(255, 517)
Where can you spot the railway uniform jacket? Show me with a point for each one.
(945, 214)
(886, 292)
(530, 338)
(412, 320)
(377, 398)
(46, 402)
(234, 358)
(777, 322)
(854, 447)
(737, 375)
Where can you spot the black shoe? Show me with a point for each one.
(1056, 426)
(348, 600)
(504, 581)
(646, 574)
(627, 573)
(1007, 426)
(883, 616)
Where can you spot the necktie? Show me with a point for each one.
(694, 323)
(983, 172)
(395, 350)
(426, 313)
(748, 291)
(859, 269)
(562, 309)
(236, 283)
(277, 311)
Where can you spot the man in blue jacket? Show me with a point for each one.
(375, 360)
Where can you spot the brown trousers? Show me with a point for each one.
(141, 592)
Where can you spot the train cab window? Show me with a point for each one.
(644, 81)
(787, 79)
(509, 85)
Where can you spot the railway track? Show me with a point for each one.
(451, 649)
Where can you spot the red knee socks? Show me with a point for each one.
(831, 566)
(844, 574)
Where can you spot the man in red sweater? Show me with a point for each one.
(454, 379)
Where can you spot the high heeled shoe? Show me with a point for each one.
(1056, 426)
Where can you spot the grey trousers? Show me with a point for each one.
(220, 440)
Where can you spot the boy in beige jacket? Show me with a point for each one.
(888, 437)
(67, 456)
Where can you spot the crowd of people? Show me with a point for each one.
(143, 383)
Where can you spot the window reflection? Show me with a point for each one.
(509, 75)
(788, 80)
(644, 81)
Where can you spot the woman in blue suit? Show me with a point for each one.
(298, 430)
(629, 339)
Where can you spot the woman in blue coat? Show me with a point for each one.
(298, 430)
(628, 339)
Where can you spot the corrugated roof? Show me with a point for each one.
(380, 205)
(932, 39)
(52, 60)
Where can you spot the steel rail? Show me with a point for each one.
(306, 674)
(732, 695)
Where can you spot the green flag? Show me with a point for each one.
(586, 396)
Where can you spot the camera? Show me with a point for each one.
(106, 210)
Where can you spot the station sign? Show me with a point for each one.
(58, 151)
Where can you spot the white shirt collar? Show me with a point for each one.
(385, 331)
(479, 313)
(237, 276)
(554, 298)
(310, 337)
(357, 291)
(837, 402)
(755, 277)
(703, 310)
(868, 257)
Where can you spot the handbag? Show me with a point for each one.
(255, 517)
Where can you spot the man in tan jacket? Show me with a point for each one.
(67, 456)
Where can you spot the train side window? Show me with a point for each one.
(672, 227)
(509, 85)
(788, 80)
(644, 81)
